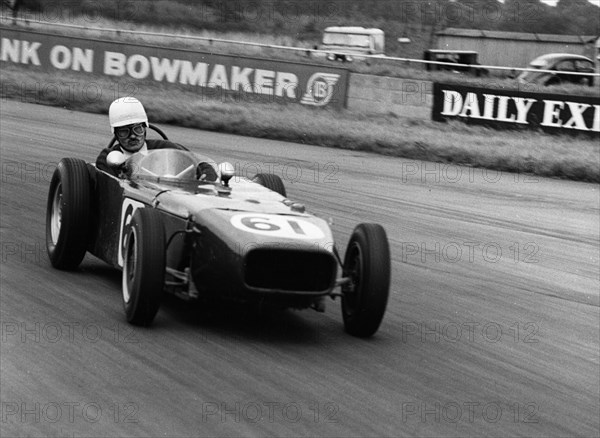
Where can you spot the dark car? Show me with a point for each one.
(557, 69)
(170, 231)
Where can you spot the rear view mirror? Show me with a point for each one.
(227, 172)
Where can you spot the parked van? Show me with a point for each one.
(454, 57)
(348, 43)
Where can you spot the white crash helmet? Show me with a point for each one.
(126, 111)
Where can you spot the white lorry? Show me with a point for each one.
(349, 43)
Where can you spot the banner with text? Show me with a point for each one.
(249, 79)
(511, 109)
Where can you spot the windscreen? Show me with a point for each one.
(539, 63)
(172, 163)
(344, 39)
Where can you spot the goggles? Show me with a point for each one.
(125, 131)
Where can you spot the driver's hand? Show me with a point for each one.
(205, 172)
(124, 170)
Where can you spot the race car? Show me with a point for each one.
(232, 238)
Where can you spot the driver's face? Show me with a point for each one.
(131, 142)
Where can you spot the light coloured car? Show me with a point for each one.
(561, 66)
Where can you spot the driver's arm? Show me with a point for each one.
(101, 163)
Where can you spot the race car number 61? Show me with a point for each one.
(276, 226)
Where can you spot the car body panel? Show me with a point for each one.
(225, 236)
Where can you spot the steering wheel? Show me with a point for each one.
(154, 128)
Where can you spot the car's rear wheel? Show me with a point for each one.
(270, 181)
(367, 264)
(144, 267)
(68, 214)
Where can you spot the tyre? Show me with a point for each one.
(68, 214)
(367, 264)
(270, 181)
(144, 267)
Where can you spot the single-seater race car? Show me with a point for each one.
(171, 231)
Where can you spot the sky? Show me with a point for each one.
(553, 2)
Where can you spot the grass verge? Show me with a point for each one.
(576, 158)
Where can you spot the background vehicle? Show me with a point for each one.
(229, 239)
(456, 57)
(348, 43)
(561, 65)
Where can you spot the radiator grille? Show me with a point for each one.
(287, 270)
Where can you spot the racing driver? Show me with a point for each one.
(128, 122)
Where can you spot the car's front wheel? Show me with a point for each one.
(367, 265)
(68, 214)
(144, 267)
(270, 181)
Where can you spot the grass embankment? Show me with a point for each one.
(576, 158)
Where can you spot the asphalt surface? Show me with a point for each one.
(492, 327)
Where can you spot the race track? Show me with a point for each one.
(492, 327)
